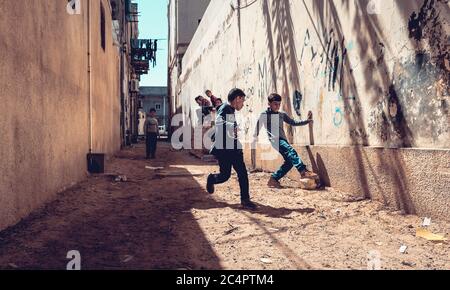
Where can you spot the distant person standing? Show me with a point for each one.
(151, 133)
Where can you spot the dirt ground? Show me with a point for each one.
(154, 222)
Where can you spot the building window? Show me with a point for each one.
(158, 107)
(102, 26)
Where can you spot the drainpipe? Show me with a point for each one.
(164, 113)
(122, 77)
(89, 75)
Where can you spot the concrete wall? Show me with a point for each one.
(44, 117)
(105, 84)
(189, 12)
(374, 73)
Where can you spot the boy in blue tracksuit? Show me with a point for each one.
(273, 120)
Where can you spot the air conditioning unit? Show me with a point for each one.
(134, 86)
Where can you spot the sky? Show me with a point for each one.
(153, 24)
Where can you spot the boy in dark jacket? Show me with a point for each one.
(228, 149)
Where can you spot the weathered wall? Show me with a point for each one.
(44, 95)
(375, 76)
(105, 84)
(189, 12)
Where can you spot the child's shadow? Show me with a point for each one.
(262, 209)
(320, 187)
(280, 212)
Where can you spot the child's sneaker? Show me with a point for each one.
(273, 183)
(308, 174)
(247, 204)
(210, 184)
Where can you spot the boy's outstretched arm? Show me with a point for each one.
(257, 130)
(292, 122)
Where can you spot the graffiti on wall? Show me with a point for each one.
(248, 86)
(297, 102)
(335, 57)
(254, 80)
(327, 60)
(338, 117)
(306, 44)
(263, 81)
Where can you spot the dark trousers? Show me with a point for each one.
(151, 141)
(233, 159)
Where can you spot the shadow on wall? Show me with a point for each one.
(394, 129)
(279, 30)
(318, 166)
(389, 119)
(339, 70)
(322, 171)
(283, 56)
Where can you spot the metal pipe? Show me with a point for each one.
(122, 77)
(89, 75)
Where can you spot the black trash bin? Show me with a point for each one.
(96, 163)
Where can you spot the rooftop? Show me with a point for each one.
(153, 91)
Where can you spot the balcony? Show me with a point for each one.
(143, 53)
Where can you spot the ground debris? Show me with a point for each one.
(403, 249)
(409, 264)
(426, 234)
(120, 178)
(266, 260)
(230, 231)
(14, 266)
(179, 173)
(127, 258)
(154, 168)
(426, 222)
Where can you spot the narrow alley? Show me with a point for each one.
(164, 219)
(224, 135)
